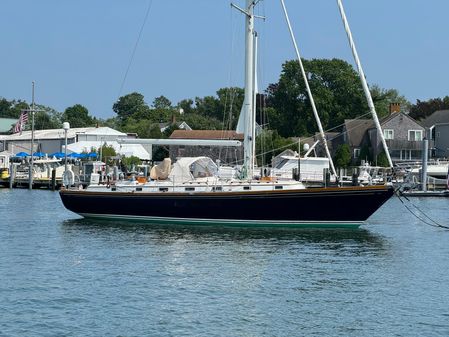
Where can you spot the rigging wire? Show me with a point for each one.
(150, 3)
(419, 214)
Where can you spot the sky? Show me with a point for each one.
(78, 52)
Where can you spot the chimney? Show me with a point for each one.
(395, 107)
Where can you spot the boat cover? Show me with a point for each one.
(189, 168)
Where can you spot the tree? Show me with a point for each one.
(269, 144)
(383, 97)
(365, 154)
(224, 107)
(131, 161)
(187, 106)
(337, 93)
(131, 105)
(382, 160)
(422, 109)
(342, 158)
(46, 118)
(162, 102)
(199, 122)
(169, 130)
(77, 116)
(12, 109)
(106, 151)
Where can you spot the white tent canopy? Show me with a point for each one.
(189, 168)
(126, 150)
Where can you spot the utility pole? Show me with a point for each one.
(32, 110)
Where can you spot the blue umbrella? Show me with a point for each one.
(83, 155)
(22, 154)
(38, 154)
(93, 155)
(75, 155)
(57, 155)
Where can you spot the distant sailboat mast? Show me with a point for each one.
(364, 83)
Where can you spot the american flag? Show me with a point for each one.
(21, 122)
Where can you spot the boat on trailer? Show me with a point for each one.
(193, 193)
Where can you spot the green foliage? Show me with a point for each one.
(112, 122)
(131, 105)
(106, 152)
(160, 153)
(12, 109)
(77, 116)
(46, 118)
(423, 109)
(383, 97)
(382, 160)
(169, 130)
(337, 92)
(342, 158)
(144, 127)
(225, 107)
(365, 154)
(269, 144)
(129, 162)
(186, 105)
(199, 122)
(155, 132)
(162, 103)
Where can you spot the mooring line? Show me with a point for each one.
(432, 222)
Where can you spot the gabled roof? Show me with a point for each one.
(438, 117)
(356, 130)
(393, 115)
(206, 134)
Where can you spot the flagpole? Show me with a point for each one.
(32, 139)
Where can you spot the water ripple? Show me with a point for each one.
(61, 275)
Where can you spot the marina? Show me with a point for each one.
(169, 176)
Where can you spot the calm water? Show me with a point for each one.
(64, 276)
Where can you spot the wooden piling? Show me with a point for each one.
(53, 179)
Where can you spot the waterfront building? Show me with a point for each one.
(78, 140)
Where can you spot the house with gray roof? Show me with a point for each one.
(402, 133)
(438, 132)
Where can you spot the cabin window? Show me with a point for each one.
(415, 135)
(216, 188)
(114, 188)
(190, 188)
(356, 153)
(163, 189)
(278, 187)
(138, 188)
(388, 133)
(246, 188)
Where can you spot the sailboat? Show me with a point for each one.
(192, 193)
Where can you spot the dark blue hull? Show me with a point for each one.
(329, 207)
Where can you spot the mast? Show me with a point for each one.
(247, 112)
(256, 90)
(364, 83)
(30, 177)
(309, 92)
